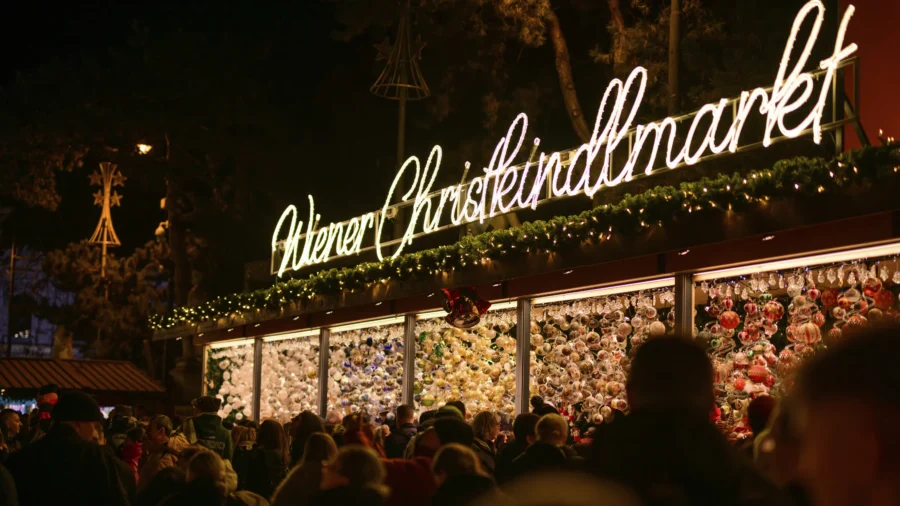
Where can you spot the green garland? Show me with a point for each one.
(632, 215)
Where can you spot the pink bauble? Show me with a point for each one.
(729, 319)
(727, 303)
(813, 293)
(744, 337)
(808, 333)
(773, 310)
(791, 333)
(751, 308)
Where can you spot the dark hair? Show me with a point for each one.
(6, 414)
(123, 411)
(320, 447)
(537, 401)
(136, 434)
(164, 483)
(458, 404)
(524, 426)
(671, 372)
(860, 368)
(759, 411)
(405, 412)
(425, 416)
(271, 437)
(305, 424)
(453, 430)
(164, 422)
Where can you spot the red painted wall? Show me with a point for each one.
(875, 28)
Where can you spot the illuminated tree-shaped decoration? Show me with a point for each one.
(106, 197)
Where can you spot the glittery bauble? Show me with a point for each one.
(751, 308)
(428, 400)
(818, 319)
(740, 384)
(744, 337)
(727, 303)
(773, 310)
(813, 293)
(830, 297)
(757, 373)
(730, 320)
(741, 361)
(871, 286)
(791, 333)
(884, 299)
(834, 334)
(657, 329)
(844, 303)
(713, 311)
(857, 322)
(808, 333)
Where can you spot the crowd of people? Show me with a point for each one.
(833, 442)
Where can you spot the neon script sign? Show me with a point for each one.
(504, 188)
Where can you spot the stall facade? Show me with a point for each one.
(762, 255)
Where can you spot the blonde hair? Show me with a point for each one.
(208, 466)
(455, 459)
(482, 423)
(552, 428)
(241, 434)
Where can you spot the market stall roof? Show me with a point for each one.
(94, 376)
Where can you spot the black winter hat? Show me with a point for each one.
(76, 406)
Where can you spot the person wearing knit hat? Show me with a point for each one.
(67, 466)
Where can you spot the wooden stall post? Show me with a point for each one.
(409, 359)
(324, 338)
(523, 355)
(257, 376)
(203, 385)
(684, 304)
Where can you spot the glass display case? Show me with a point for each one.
(290, 375)
(229, 376)
(365, 367)
(476, 365)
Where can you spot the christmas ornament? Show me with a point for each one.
(464, 308)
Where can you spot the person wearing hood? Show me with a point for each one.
(67, 466)
(165, 447)
(205, 427)
(549, 450)
(459, 476)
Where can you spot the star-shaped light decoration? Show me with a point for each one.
(96, 178)
(118, 179)
(115, 199)
(98, 198)
(384, 49)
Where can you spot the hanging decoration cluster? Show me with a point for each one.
(633, 215)
(475, 365)
(229, 376)
(290, 371)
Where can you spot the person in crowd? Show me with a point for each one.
(667, 450)
(549, 451)
(8, 495)
(164, 448)
(184, 461)
(758, 413)
(486, 426)
(355, 477)
(305, 480)
(524, 433)
(459, 476)
(849, 421)
(167, 482)
(358, 431)
(305, 424)
(132, 450)
(243, 438)
(395, 444)
(381, 433)
(266, 464)
(10, 427)
(211, 481)
(205, 427)
(410, 481)
(142, 414)
(777, 453)
(4, 450)
(67, 466)
(458, 404)
(541, 407)
(120, 422)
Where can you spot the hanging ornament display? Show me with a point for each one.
(229, 376)
(289, 378)
(464, 308)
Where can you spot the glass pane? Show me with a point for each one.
(290, 372)
(581, 349)
(229, 376)
(365, 369)
(476, 366)
(760, 327)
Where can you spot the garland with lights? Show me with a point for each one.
(633, 214)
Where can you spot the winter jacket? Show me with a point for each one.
(131, 453)
(504, 471)
(348, 496)
(410, 481)
(300, 485)
(63, 468)
(395, 443)
(161, 458)
(462, 490)
(208, 430)
(203, 493)
(260, 470)
(8, 496)
(540, 457)
(670, 457)
(486, 454)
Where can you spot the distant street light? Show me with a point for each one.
(144, 148)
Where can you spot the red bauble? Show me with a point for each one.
(727, 304)
(770, 380)
(791, 333)
(773, 310)
(871, 286)
(813, 293)
(808, 333)
(744, 337)
(818, 319)
(740, 383)
(830, 297)
(729, 319)
(757, 373)
(844, 303)
(857, 321)
(751, 308)
(884, 299)
(713, 311)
